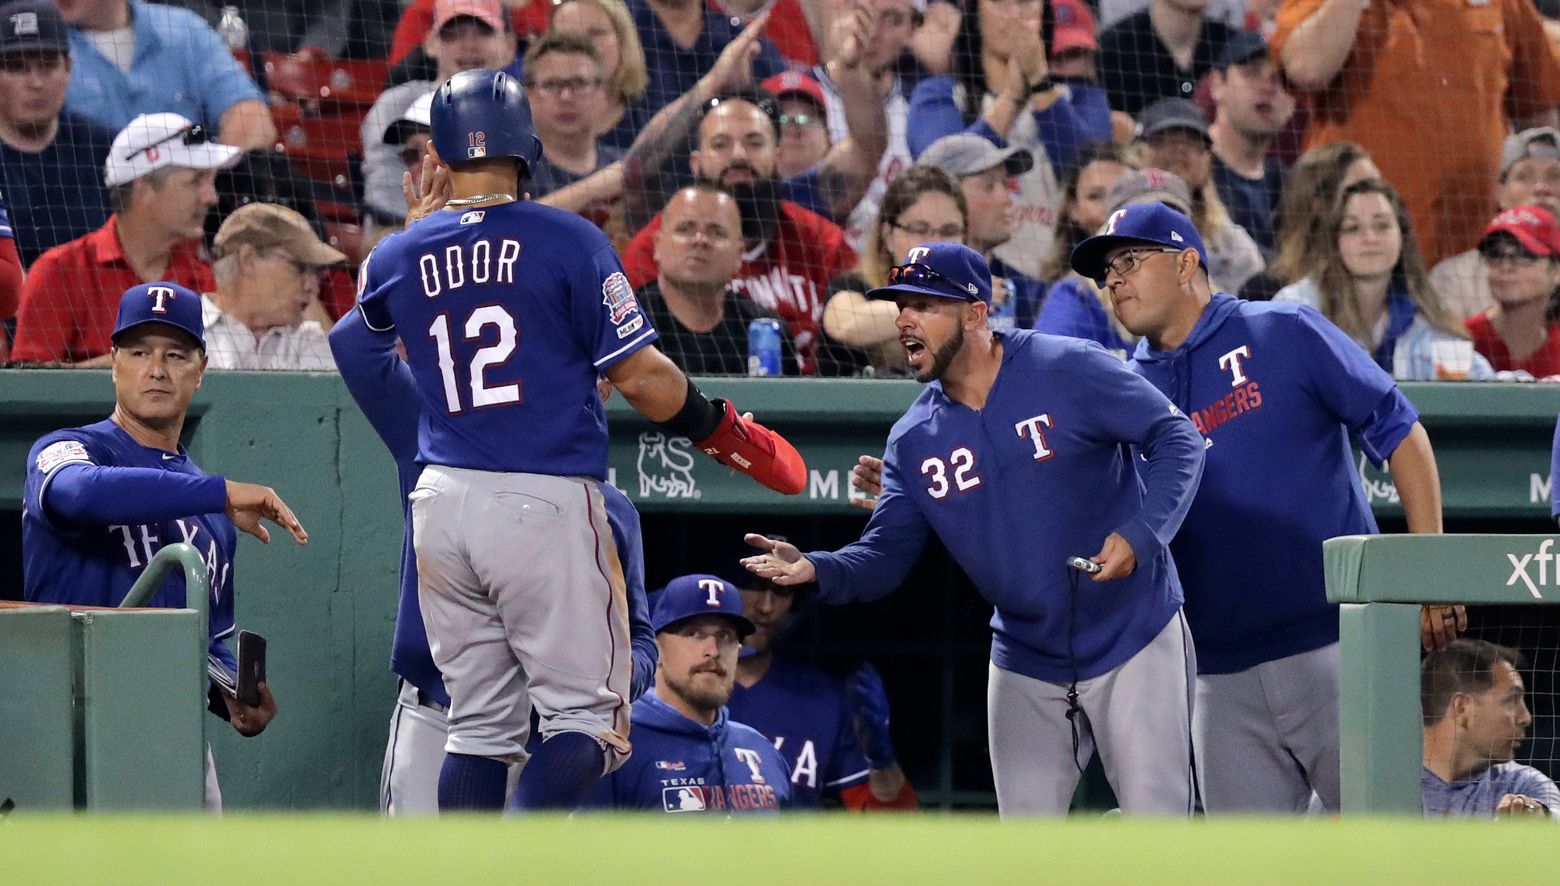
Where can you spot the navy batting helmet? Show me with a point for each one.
(481, 114)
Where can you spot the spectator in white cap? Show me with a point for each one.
(131, 58)
(1529, 176)
(267, 263)
(161, 174)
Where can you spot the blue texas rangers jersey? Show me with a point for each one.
(382, 385)
(97, 505)
(682, 766)
(1277, 391)
(802, 710)
(508, 314)
(1044, 472)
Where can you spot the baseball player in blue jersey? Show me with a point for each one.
(414, 753)
(508, 311)
(834, 737)
(689, 754)
(1277, 392)
(1020, 442)
(101, 500)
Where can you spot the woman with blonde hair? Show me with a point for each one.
(1368, 278)
(921, 205)
(1310, 187)
(609, 26)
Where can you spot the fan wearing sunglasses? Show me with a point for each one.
(161, 173)
(1029, 445)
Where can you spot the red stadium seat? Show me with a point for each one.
(345, 236)
(311, 78)
(323, 147)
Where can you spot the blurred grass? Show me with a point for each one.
(929, 848)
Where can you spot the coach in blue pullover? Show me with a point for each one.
(1018, 456)
(1278, 392)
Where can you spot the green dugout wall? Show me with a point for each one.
(328, 608)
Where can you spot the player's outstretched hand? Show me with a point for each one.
(249, 503)
(1116, 558)
(428, 192)
(867, 477)
(251, 721)
(868, 704)
(781, 562)
(1440, 625)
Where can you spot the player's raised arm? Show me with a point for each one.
(653, 384)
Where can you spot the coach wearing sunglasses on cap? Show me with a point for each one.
(1030, 443)
(161, 173)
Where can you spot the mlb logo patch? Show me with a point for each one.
(618, 298)
(670, 765)
(683, 799)
(472, 217)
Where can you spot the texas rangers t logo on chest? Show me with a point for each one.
(1030, 428)
(1231, 361)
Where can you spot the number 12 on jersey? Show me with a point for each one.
(477, 322)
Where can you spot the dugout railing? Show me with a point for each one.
(1380, 583)
(103, 709)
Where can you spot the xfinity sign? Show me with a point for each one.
(1544, 563)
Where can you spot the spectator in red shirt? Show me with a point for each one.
(789, 254)
(1521, 254)
(161, 172)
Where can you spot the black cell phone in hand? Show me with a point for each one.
(251, 668)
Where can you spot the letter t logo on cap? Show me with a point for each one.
(160, 296)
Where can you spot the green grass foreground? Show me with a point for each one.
(632, 851)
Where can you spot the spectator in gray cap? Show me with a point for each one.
(984, 172)
(1529, 176)
(1173, 135)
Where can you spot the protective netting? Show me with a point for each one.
(1346, 155)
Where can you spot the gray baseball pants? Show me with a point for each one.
(1138, 716)
(525, 605)
(1267, 737)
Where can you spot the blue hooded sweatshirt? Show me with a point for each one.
(1044, 471)
(1278, 392)
(679, 765)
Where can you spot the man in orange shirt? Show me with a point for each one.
(1426, 86)
(161, 173)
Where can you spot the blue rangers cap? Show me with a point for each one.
(1138, 224)
(163, 302)
(943, 270)
(691, 596)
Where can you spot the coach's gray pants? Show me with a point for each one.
(1266, 737)
(1138, 715)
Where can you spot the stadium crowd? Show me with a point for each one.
(1327, 159)
(772, 162)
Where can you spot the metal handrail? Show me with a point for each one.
(197, 588)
